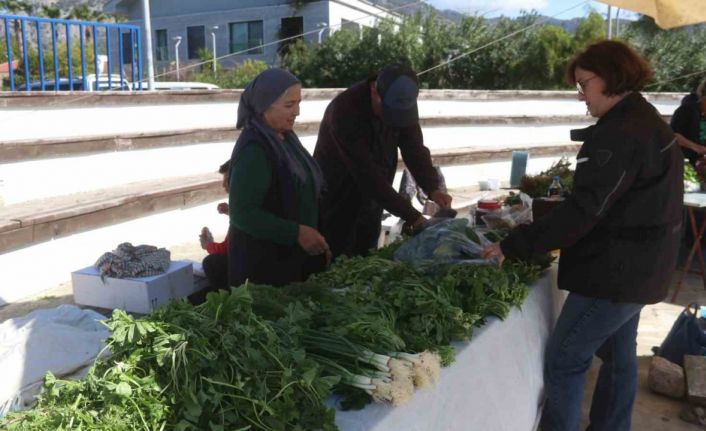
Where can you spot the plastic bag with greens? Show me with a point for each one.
(444, 242)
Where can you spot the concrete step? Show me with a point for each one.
(72, 122)
(122, 98)
(46, 219)
(144, 156)
(36, 149)
(36, 221)
(44, 178)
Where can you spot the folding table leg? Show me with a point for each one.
(695, 249)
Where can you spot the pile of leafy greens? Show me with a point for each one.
(260, 357)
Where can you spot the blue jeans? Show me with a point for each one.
(589, 326)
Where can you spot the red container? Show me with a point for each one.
(486, 206)
(489, 204)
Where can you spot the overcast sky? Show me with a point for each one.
(512, 8)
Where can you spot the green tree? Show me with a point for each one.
(440, 42)
(53, 12)
(48, 63)
(470, 35)
(238, 77)
(50, 11)
(546, 58)
(85, 13)
(590, 29)
(677, 55)
(17, 7)
(329, 64)
(505, 54)
(495, 66)
(348, 56)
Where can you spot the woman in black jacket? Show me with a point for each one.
(689, 124)
(618, 232)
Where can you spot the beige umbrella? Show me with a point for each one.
(666, 13)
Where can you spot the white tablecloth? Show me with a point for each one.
(495, 383)
(62, 340)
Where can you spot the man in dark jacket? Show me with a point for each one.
(689, 124)
(361, 131)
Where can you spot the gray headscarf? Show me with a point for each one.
(258, 95)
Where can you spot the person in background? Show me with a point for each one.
(275, 186)
(215, 264)
(360, 134)
(619, 234)
(689, 124)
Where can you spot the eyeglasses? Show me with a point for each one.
(581, 85)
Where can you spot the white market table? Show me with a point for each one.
(693, 202)
(495, 383)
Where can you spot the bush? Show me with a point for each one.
(48, 62)
(672, 53)
(237, 77)
(533, 58)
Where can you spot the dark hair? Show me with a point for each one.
(224, 168)
(701, 89)
(621, 68)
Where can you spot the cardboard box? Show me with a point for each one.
(136, 295)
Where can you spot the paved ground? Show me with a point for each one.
(654, 412)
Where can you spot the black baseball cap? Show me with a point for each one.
(398, 88)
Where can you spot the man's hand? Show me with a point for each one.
(222, 208)
(419, 223)
(494, 252)
(440, 198)
(414, 227)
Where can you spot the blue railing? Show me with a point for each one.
(33, 74)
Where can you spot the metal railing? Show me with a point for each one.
(71, 40)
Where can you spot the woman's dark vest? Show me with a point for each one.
(261, 261)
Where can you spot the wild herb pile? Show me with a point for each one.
(260, 357)
(536, 186)
(690, 174)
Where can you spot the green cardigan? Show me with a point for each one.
(249, 182)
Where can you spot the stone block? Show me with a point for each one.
(666, 378)
(695, 370)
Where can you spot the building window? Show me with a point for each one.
(246, 36)
(129, 46)
(162, 45)
(350, 25)
(292, 27)
(196, 40)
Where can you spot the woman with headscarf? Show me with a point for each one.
(274, 189)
